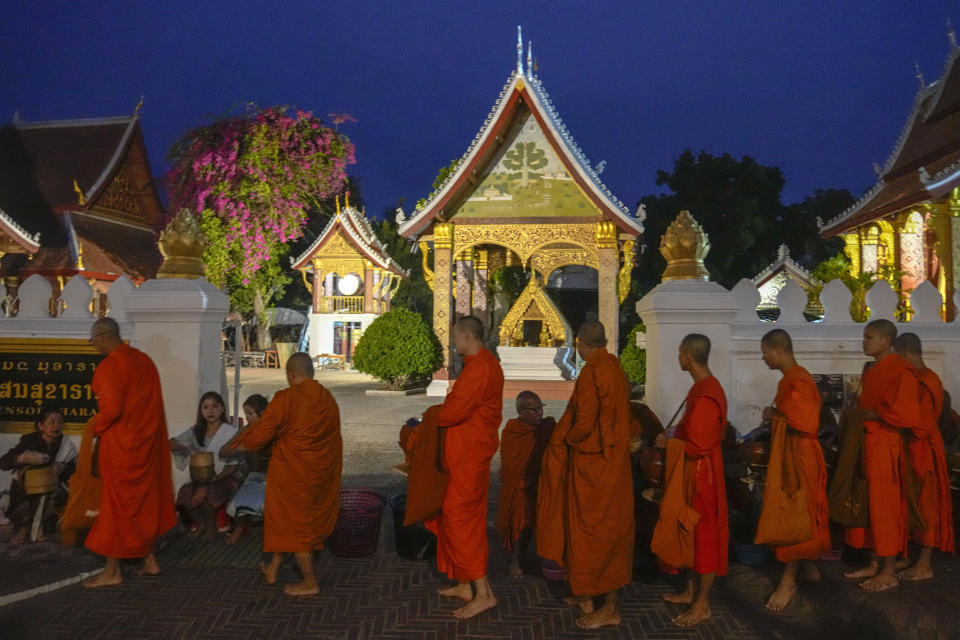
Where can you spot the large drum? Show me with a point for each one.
(39, 480)
(201, 467)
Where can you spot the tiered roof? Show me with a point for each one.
(784, 263)
(925, 163)
(523, 88)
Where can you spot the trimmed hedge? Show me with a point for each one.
(398, 348)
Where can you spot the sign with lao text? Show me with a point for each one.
(41, 373)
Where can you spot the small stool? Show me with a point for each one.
(271, 359)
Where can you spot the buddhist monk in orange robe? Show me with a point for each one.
(522, 443)
(136, 500)
(890, 396)
(302, 502)
(585, 519)
(928, 464)
(798, 401)
(471, 416)
(702, 428)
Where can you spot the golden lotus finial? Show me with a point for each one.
(684, 246)
(181, 244)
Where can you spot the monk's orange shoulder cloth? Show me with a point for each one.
(673, 540)
(929, 462)
(427, 478)
(84, 499)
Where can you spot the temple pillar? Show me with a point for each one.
(869, 238)
(378, 289)
(851, 247)
(464, 269)
(317, 286)
(479, 305)
(442, 312)
(608, 305)
(910, 254)
(368, 287)
(328, 290)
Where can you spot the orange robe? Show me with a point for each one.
(303, 480)
(930, 468)
(702, 428)
(136, 501)
(521, 454)
(84, 496)
(585, 519)
(472, 411)
(799, 401)
(890, 388)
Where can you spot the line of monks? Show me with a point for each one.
(568, 484)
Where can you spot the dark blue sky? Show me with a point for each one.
(818, 88)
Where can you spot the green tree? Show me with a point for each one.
(398, 348)
(633, 359)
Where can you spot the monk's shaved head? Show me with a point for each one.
(105, 327)
(697, 346)
(471, 325)
(592, 334)
(527, 399)
(778, 339)
(908, 343)
(300, 365)
(883, 327)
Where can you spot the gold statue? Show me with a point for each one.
(182, 244)
(684, 246)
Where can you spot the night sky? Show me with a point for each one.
(818, 88)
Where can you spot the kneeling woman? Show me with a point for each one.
(199, 501)
(46, 445)
(247, 504)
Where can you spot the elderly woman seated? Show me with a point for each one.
(247, 505)
(198, 502)
(45, 446)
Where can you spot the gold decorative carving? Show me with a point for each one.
(306, 281)
(533, 304)
(623, 277)
(443, 235)
(338, 246)
(181, 244)
(606, 235)
(119, 196)
(525, 239)
(480, 259)
(76, 188)
(851, 247)
(342, 266)
(684, 246)
(548, 260)
(425, 254)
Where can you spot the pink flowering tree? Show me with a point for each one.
(252, 179)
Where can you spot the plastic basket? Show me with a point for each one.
(415, 542)
(358, 526)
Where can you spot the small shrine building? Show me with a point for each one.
(524, 194)
(77, 197)
(771, 281)
(910, 220)
(352, 280)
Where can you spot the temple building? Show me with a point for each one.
(522, 194)
(77, 197)
(771, 281)
(352, 279)
(908, 222)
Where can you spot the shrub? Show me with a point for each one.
(633, 359)
(398, 348)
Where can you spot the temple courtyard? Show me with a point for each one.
(211, 590)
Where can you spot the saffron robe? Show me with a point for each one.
(890, 388)
(799, 401)
(136, 500)
(83, 502)
(427, 477)
(585, 519)
(302, 502)
(471, 413)
(702, 428)
(932, 476)
(521, 456)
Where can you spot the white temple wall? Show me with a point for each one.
(321, 328)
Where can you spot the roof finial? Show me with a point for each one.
(336, 199)
(916, 69)
(529, 58)
(76, 187)
(519, 50)
(951, 35)
(136, 110)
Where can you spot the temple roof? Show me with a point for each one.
(786, 264)
(16, 234)
(358, 232)
(925, 162)
(522, 89)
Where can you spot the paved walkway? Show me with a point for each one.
(211, 590)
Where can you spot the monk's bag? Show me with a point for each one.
(672, 540)
(785, 513)
(847, 498)
(428, 476)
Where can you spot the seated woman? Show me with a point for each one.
(45, 445)
(247, 504)
(198, 502)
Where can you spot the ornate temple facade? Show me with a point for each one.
(352, 279)
(908, 222)
(522, 194)
(771, 281)
(77, 198)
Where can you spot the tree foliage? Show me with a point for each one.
(398, 348)
(633, 359)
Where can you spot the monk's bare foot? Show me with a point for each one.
(102, 579)
(866, 572)
(602, 617)
(902, 563)
(150, 567)
(475, 606)
(305, 588)
(684, 597)
(237, 533)
(20, 537)
(696, 614)
(781, 597)
(269, 570)
(916, 572)
(880, 582)
(809, 573)
(584, 602)
(515, 571)
(459, 590)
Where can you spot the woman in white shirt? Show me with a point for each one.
(197, 502)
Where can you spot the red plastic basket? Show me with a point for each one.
(358, 526)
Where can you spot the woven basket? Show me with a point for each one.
(358, 526)
(39, 480)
